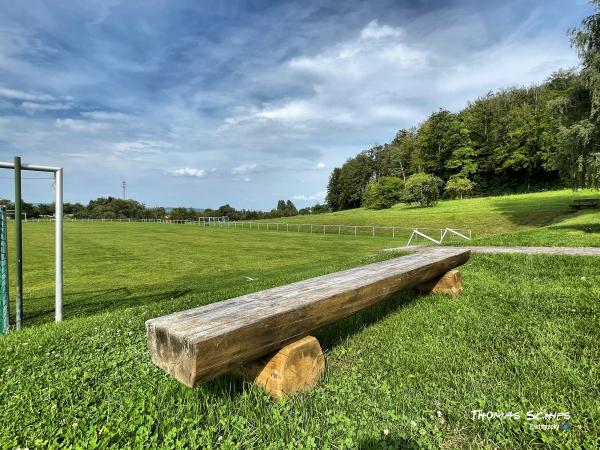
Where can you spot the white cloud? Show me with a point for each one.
(363, 80)
(188, 172)
(106, 115)
(245, 168)
(79, 125)
(16, 94)
(292, 111)
(317, 196)
(320, 166)
(391, 77)
(141, 146)
(34, 106)
(374, 31)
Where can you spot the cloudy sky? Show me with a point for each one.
(200, 103)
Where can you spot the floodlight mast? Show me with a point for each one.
(58, 255)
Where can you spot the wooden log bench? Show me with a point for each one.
(584, 203)
(241, 334)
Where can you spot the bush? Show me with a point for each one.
(458, 186)
(384, 193)
(423, 189)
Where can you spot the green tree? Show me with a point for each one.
(384, 193)
(464, 157)
(353, 178)
(422, 188)
(579, 127)
(458, 187)
(183, 214)
(435, 142)
(333, 190)
(291, 208)
(319, 209)
(227, 211)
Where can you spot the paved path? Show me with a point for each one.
(576, 251)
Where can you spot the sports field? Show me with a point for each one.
(523, 337)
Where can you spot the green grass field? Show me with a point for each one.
(538, 219)
(406, 373)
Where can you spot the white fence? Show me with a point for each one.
(434, 235)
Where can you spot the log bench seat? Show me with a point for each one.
(584, 203)
(202, 343)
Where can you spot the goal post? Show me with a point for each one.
(17, 167)
(4, 286)
(206, 220)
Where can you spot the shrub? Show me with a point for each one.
(384, 193)
(423, 189)
(459, 186)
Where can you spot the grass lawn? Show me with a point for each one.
(542, 218)
(524, 336)
(581, 229)
(112, 266)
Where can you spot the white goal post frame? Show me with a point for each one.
(58, 236)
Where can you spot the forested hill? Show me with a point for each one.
(514, 140)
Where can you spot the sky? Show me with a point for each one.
(201, 103)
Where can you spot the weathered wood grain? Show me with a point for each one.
(201, 343)
(295, 368)
(449, 284)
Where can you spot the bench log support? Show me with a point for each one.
(449, 284)
(295, 368)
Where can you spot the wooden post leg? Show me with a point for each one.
(450, 284)
(297, 367)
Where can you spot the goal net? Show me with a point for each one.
(213, 220)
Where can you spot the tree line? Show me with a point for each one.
(117, 208)
(284, 208)
(519, 139)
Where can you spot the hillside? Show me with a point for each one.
(518, 218)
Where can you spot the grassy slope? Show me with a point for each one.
(526, 219)
(523, 336)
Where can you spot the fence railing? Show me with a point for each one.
(433, 235)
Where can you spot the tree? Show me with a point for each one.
(422, 188)
(384, 193)
(435, 142)
(227, 211)
(291, 208)
(458, 187)
(319, 209)
(580, 138)
(333, 190)
(464, 157)
(354, 176)
(112, 207)
(183, 214)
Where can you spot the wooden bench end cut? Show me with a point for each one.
(295, 368)
(449, 284)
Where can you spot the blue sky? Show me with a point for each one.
(198, 103)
